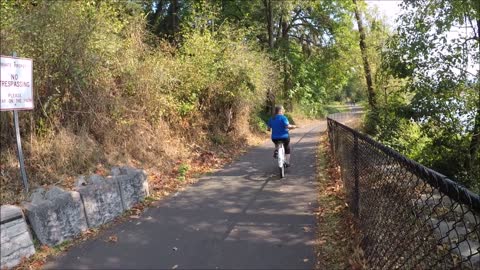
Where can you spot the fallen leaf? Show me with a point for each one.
(112, 239)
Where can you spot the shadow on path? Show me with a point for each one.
(241, 217)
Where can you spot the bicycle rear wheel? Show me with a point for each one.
(281, 160)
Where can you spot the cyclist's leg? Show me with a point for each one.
(286, 144)
(275, 153)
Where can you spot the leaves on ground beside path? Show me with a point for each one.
(112, 239)
(201, 162)
(337, 237)
(100, 169)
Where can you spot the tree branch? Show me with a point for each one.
(294, 18)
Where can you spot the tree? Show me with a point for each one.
(310, 40)
(163, 17)
(269, 18)
(442, 75)
(366, 65)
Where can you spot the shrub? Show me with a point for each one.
(105, 85)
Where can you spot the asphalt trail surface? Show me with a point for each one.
(242, 217)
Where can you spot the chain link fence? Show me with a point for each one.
(411, 217)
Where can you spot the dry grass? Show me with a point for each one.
(53, 159)
(337, 237)
(106, 97)
(59, 158)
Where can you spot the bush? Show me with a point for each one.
(258, 124)
(104, 84)
(182, 171)
(314, 110)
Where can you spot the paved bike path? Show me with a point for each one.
(241, 217)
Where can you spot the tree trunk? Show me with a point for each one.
(174, 18)
(279, 30)
(269, 18)
(366, 65)
(286, 72)
(270, 102)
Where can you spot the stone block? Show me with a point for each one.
(80, 181)
(10, 212)
(15, 239)
(133, 185)
(56, 215)
(101, 200)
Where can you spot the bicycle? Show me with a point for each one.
(281, 159)
(279, 155)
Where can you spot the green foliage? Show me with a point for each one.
(202, 70)
(63, 246)
(119, 92)
(313, 109)
(258, 124)
(221, 76)
(93, 68)
(432, 110)
(336, 108)
(182, 171)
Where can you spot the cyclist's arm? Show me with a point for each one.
(287, 124)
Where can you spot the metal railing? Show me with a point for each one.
(410, 216)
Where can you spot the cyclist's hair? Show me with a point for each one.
(278, 108)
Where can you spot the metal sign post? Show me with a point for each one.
(16, 93)
(19, 145)
(19, 151)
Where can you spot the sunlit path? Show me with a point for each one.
(241, 217)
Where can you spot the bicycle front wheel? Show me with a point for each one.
(282, 171)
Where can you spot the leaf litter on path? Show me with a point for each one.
(112, 239)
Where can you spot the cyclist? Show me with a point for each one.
(279, 125)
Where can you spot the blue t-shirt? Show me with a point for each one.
(278, 124)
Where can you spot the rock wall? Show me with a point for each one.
(56, 215)
(15, 239)
(101, 200)
(133, 185)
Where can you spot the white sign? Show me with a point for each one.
(16, 85)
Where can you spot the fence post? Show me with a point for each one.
(330, 136)
(356, 192)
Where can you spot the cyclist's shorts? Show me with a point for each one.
(286, 144)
